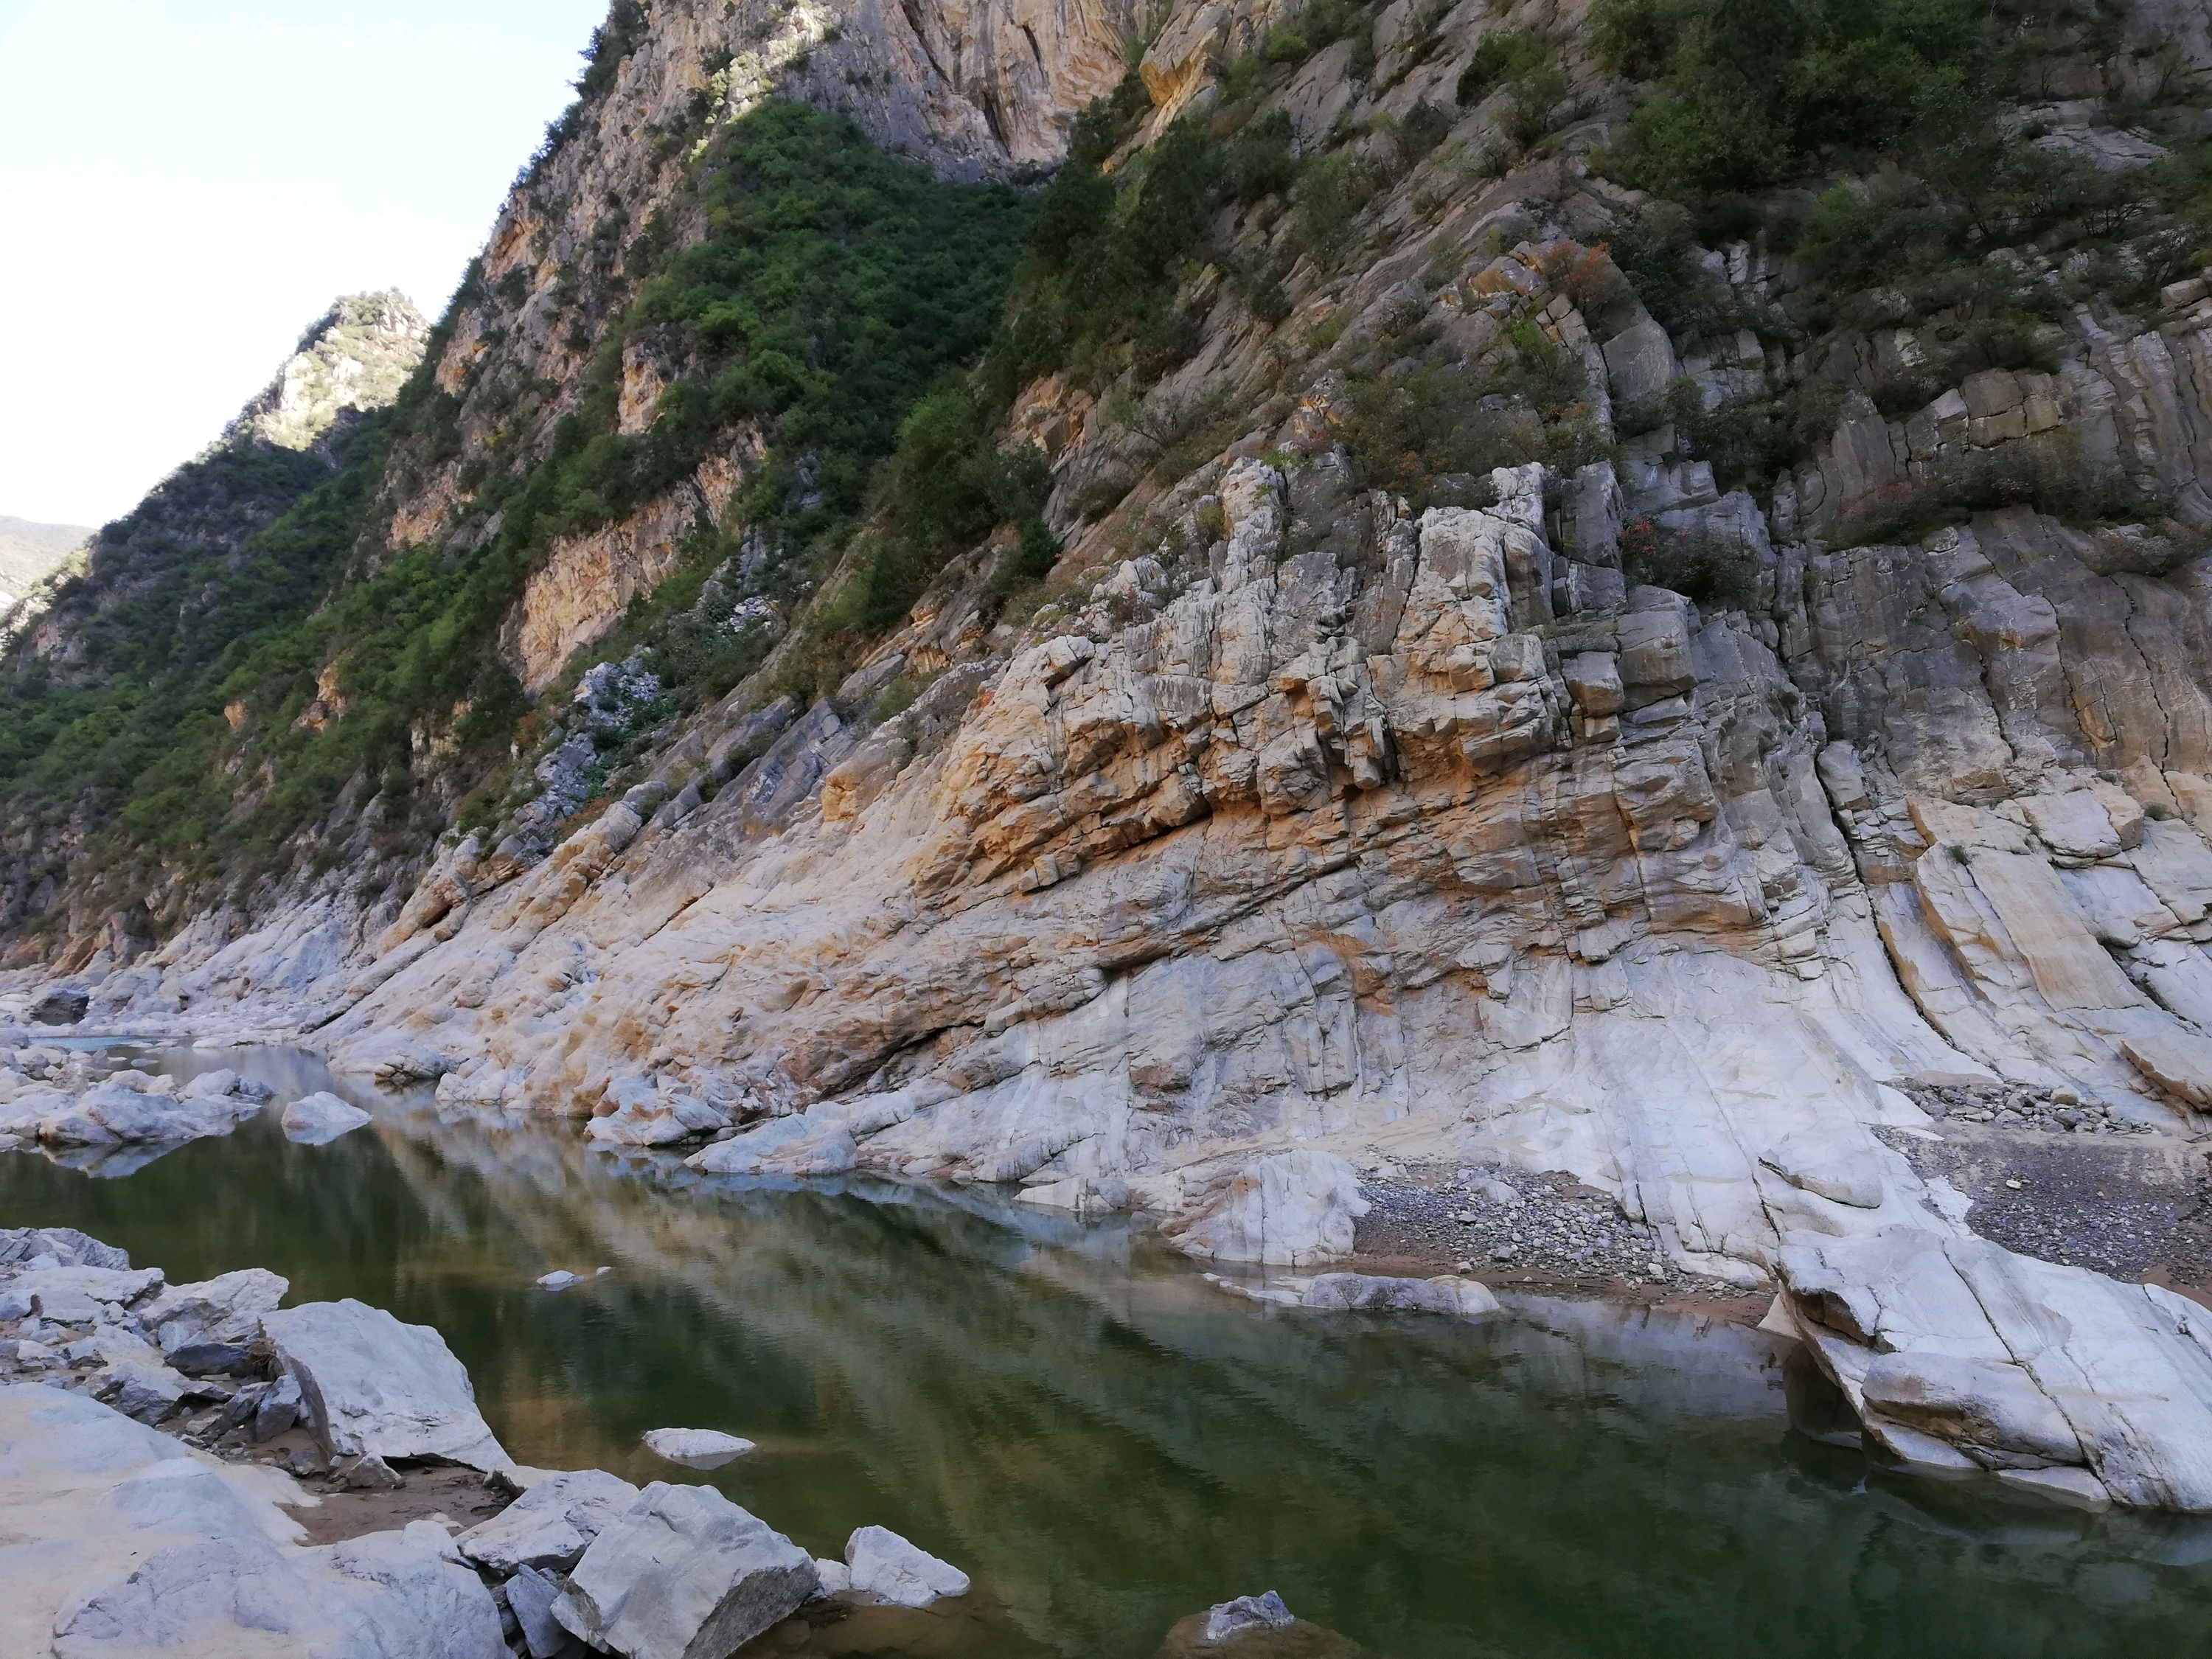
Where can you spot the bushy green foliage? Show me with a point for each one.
(945, 490)
(1096, 294)
(1712, 568)
(1500, 58)
(837, 284)
(1751, 91)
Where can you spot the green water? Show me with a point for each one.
(1109, 1444)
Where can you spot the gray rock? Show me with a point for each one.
(52, 1288)
(224, 1310)
(406, 1597)
(367, 1474)
(370, 1385)
(551, 1524)
(530, 1596)
(212, 1359)
(62, 1005)
(278, 1409)
(686, 1574)
(210, 1085)
(68, 1247)
(319, 1119)
(1247, 1612)
(696, 1448)
(885, 1565)
(109, 1112)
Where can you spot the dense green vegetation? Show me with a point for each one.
(836, 287)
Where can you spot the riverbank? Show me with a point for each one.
(987, 1377)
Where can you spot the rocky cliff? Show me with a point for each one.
(1562, 656)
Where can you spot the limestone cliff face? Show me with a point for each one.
(1303, 826)
(976, 88)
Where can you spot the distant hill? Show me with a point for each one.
(28, 551)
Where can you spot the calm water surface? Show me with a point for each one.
(1106, 1443)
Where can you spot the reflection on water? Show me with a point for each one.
(1109, 1444)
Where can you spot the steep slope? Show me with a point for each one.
(1615, 591)
(122, 672)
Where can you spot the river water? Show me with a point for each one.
(1106, 1441)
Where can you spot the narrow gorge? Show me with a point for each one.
(1437, 652)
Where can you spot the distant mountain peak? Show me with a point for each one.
(356, 357)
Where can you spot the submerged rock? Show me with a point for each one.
(372, 1385)
(1461, 1299)
(683, 1574)
(1247, 1612)
(883, 1565)
(696, 1448)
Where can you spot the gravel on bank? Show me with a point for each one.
(2136, 1208)
(1515, 1231)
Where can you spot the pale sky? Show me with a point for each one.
(186, 184)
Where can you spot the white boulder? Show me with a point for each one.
(696, 1448)
(885, 1565)
(645, 1116)
(1999, 1360)
(112, 1112)
(317, 1120)
(371, 1386)
(145, 1545)
(551, 1524)
(686, 1574)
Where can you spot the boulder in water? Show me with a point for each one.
(114, 1111)
(781, 1146)
(317, 1120)
(885, 1566)
(1455, 1297)
(696, 1448)
(684, 1574)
